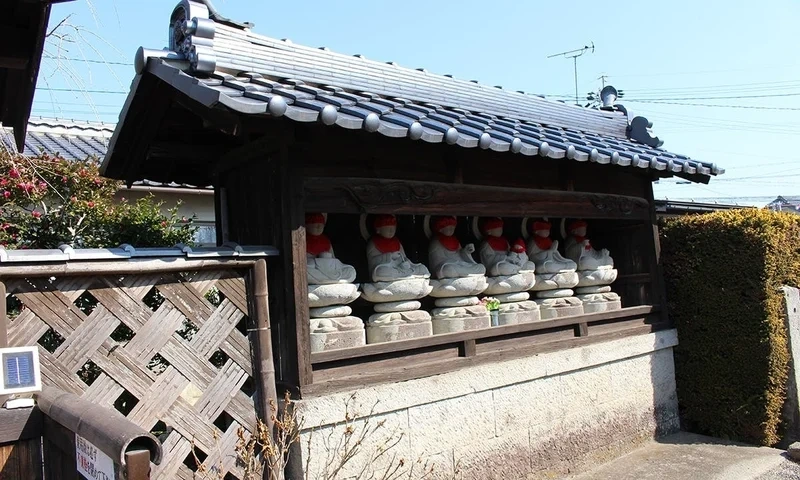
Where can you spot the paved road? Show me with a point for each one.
(695, 457)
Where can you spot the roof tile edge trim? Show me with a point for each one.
(66, 253)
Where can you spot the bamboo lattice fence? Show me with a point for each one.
(168, 349)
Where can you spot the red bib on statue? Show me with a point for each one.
(543, 243)
(451, 243)
(316, 244)
(386, 245)
(498, 244)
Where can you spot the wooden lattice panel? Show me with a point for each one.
(170, 351)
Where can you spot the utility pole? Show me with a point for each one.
(574, 54)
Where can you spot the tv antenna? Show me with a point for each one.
(574, 54)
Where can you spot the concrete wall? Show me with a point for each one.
(538, 417)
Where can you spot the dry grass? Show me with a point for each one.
(357, 448)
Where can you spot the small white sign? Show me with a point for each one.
(92, 463)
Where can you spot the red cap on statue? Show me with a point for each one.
(384, 220)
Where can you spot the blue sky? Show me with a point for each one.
(661, 54)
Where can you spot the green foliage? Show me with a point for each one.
(723, 274)
(46, 201)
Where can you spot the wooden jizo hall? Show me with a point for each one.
(373, 179)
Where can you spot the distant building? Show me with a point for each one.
(674, 208)
(76, 140)
(785, 204)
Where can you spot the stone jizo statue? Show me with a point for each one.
(448, 259)
(498, 256)
(323, 266)
(385, 255)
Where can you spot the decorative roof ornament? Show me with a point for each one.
(639, 131)
(191, 34)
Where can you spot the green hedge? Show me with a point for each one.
(723, 275)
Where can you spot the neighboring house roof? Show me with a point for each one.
(681, 207)
(221, 65)
(72, 140)
(23, 28)
(794, 200)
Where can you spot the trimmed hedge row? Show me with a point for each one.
(723, 275)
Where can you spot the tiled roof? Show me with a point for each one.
(71, 140)
(221, 64)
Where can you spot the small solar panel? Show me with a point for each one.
(20, 368)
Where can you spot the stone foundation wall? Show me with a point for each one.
(543, 416)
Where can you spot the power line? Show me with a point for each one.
(87, 60)
(737, 97)
(79, 90)
(754, 107)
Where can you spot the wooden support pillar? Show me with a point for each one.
(3, 317)
(659, 290)
(289, 276)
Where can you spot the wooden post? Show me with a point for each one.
(3, 317)
(289, 235)
(659, 289)
(265, 364)
(137, 465)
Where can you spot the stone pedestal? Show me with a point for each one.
(397, 310)
(555, 296)
(332, 326)
(458, 307)
(515, 306)
(599, 277)
(598, 299)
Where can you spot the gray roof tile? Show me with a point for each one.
(257, 75)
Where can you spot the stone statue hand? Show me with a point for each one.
(469, 248)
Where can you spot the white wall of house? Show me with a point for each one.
(194, 203)
(537, 417)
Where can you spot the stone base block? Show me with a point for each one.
(380, 333)
(458, 287)
(391, 318)
(518, 312)
(397, 291)
(521, 282)
(451, 324)
(591, 278)
(595, 289)
(559, 293)
(332, 294)
(332, 311)
(513, 297)
(406, 306)
(321, 342)
(457, 302)
(553, 281)
(559, 307)
(600, 302)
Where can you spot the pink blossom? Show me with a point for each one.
(6, 194)
(42, 185)
(13, 173)
(36, 214)
(164, 224)
(90, 204)
(3, 182)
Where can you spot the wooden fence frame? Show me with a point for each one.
(17, 427)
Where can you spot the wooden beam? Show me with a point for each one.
(257, 149)
(20, 424)
(405, 371)
(458, 337)
(366, 195)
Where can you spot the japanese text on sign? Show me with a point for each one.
(92, 463)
